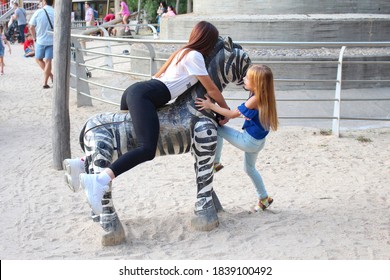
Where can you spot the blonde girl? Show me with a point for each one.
(260, 115)
(3, 40)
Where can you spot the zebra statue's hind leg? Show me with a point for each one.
(114, 233)
(203, 149)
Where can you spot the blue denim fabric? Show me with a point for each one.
(1, 47)
(251, 148)
(21, 33)
(42, 51)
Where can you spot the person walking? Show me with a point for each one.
(89, 16)
(20, 15)
(40, 24)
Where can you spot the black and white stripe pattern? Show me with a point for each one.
(182, 127)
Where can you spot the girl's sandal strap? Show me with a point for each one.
(265, 203)
(217, 167)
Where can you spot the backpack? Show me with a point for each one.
(95, 14)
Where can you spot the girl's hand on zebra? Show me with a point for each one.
(202, 104)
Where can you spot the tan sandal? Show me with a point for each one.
(217, 166)
(265, 203)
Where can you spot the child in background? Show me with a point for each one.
(3, 40)
(125, 13)
(28, 46)
(260, 116)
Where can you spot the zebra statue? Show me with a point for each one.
(183, 128)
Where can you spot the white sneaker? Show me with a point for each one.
(94, 191)
(73, 168)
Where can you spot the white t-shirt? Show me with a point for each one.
(179, 77)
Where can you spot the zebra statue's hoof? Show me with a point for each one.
(205, 220)
(115, 236)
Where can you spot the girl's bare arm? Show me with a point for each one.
(207, 104)
(212, 90)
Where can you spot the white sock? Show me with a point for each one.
(103, 178)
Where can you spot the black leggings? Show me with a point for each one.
(142, 100)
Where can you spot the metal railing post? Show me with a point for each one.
(154, 30)
(81, 74)
(108, 57)
(153, 63)
(337, 102)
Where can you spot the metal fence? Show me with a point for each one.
(100, 57)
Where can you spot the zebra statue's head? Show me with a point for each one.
(228, 63)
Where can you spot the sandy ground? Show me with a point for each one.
(331, 195)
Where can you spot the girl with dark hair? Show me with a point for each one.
(184, 68)
(171, 12)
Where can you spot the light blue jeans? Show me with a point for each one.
(251, 146)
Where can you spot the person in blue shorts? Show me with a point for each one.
(40, 24)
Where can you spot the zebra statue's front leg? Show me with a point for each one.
(203, 149)
(98, 159)
(109, 220)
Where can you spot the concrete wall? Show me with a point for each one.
(287, 20)
(295, 21)
(274, 7)
(309, 28)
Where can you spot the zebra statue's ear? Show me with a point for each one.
(228, 44)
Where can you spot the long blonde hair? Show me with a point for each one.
(262, 81)
(203, 38)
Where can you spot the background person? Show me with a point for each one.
(170, 13)
(2, 48)
(39, 29)
(162, 8)
(20, 16)
(125, 13)
(89, 15)
(111, 30)
(28, 46)
(109, 17)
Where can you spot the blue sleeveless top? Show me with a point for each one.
(252, 122)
